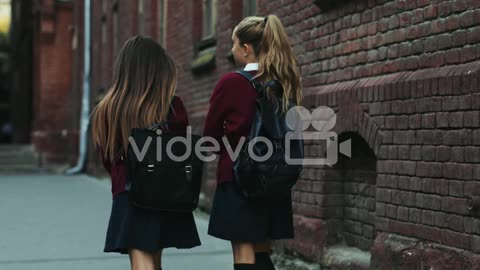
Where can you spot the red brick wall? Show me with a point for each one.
(53, 60)
(403, 76)
(369, 38)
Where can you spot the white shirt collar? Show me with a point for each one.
(251, 67)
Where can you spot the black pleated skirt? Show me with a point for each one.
(133, 228)
(235, 219)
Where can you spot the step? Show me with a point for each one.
(17, 153)
(19, 169)
(15, 147)
(20, 157)
(24, 159)
(16, 150)
(8, 154)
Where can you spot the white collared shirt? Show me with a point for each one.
(251, 66)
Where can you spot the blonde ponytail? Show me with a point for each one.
(277, 61)
(275, 55)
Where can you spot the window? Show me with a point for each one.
(162, 22)
(141, 17)
(204, 35)
(209, 18)
(249, 8)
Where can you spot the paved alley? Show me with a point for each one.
(58, 222)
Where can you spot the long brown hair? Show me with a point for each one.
(276, 59)
(144, 83)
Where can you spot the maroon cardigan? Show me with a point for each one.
(178, 119)
(231, 112)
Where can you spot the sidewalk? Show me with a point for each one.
(58, 222)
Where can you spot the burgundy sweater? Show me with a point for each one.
(231, 113)
(117, 170)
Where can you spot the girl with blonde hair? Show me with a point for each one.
(262, 47)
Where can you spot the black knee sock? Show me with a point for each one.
(244, 266)
(263, 261)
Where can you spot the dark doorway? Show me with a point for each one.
(358, 176)
(21, 76)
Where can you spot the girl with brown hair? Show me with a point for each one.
(141, 95)
(261, 45)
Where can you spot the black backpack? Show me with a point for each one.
(272, 179)
(165, 185)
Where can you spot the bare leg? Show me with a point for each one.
(141, 260)
(243, 253)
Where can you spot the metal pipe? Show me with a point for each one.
(85, 113)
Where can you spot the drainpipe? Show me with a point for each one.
(85, 113)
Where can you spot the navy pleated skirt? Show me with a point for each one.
(134, 228)
(235, 219)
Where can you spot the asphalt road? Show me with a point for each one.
(59, 222)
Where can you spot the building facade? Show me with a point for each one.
(43, 99)
(401, 75)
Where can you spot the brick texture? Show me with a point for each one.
(403, 76)
(53, 136)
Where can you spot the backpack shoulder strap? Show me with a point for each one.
(170, 110)
(256, 83)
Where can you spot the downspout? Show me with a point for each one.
(85, 113)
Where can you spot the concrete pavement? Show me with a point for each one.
(59, 222)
